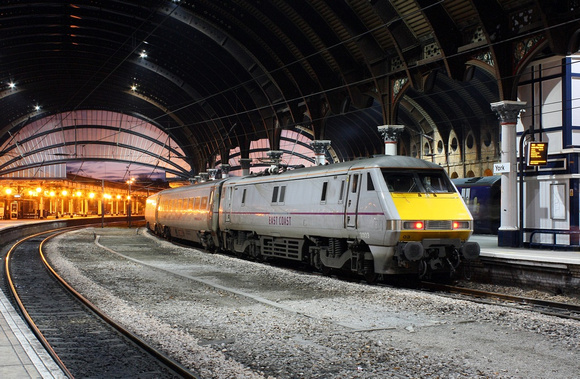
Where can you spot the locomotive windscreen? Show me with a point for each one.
(418, 181)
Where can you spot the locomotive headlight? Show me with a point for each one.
(413, 225)
(460, 225)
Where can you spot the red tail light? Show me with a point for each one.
(460, 225)
(413, 225)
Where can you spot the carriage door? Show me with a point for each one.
(228, 203)
(351, 205)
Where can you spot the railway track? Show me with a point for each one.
(552, 308)
(80, 338)
(562, 310)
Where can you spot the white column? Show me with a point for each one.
(390, 134)
(508, 111)
(320, 147)
(225, 170)
(245, 163)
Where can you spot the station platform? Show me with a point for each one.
(490, 249)
(22, 355)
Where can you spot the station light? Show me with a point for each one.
(8, 191)
(91, 195)
(64, 193)
(79, 193)
(38, 190)
(52, 193)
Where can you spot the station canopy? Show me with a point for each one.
(183, 86)
(79, 139)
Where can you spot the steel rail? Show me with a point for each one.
(23, 309)
(171, 364)
(574, 308)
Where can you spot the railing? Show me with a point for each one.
(554, 245)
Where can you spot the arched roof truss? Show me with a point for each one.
(92, 135)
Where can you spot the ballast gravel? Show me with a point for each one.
(224, 317)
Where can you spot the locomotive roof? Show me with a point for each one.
(382, 161)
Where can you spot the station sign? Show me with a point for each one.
(501, 168)
(537, 153)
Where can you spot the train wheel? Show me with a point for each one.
(369, 272)
(167, 234)
(253, 252)
(423, 270)
(317, 263)
(371, 277)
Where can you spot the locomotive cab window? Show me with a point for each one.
(418, 182)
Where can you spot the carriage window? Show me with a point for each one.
(324, 188)
(196, 203)
(179, 205)
(278, 194)
(370, 184)
(244, 197)
(204, 202)
(341, 197)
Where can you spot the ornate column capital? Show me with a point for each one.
(508, 110)
(320, 146)
(390, 133)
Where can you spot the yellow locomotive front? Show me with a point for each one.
(434, 224)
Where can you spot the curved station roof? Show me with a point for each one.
(182, 86)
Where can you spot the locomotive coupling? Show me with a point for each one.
(413, 251)
(470, 250)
